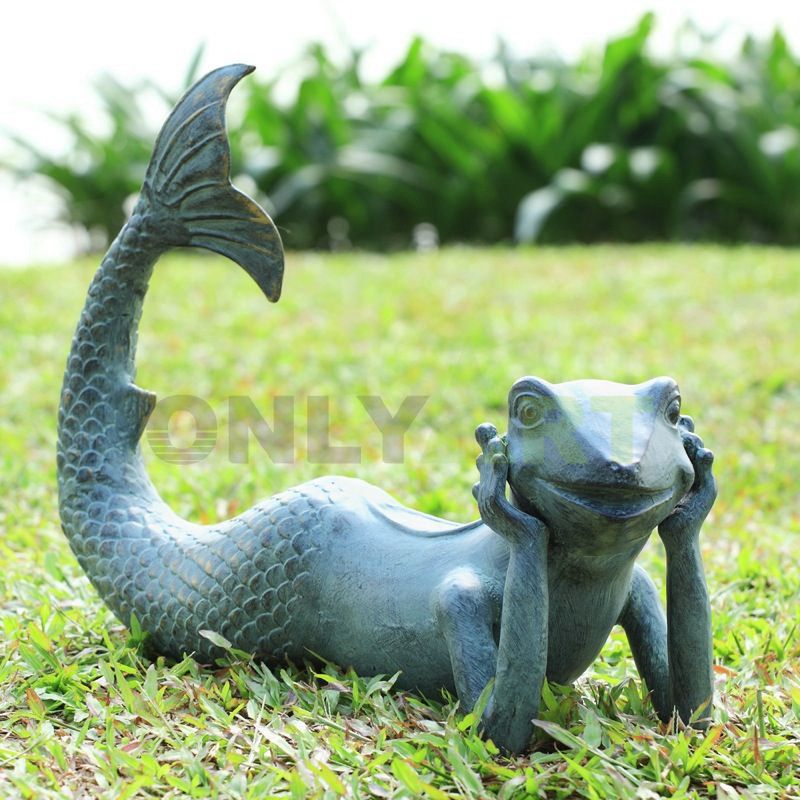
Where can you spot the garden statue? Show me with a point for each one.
(337, 568)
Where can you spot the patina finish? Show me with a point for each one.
(336, 567)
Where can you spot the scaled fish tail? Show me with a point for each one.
(186, 200)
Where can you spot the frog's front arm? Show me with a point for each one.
(467, 606)
(674, 656)
(688, 609)
(522, 649)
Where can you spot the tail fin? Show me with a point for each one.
(189, 177)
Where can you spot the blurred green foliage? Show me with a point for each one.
(620, 145)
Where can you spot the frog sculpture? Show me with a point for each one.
(337, 568)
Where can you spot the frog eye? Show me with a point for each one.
(673, 411)
(529, 410)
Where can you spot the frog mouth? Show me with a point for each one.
(614, 502)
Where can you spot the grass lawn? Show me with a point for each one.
(84, 712)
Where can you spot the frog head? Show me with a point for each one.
(597, 461)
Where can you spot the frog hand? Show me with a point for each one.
(490, 491)
(685, 521)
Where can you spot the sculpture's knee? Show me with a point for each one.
(462, 597)
(466, 616)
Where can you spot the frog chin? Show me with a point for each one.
(632, 510)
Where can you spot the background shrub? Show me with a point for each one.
(619, 145)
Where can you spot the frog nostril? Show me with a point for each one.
(625, 473)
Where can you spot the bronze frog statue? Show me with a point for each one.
(336, 567)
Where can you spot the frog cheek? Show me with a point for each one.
(523, 479)
(525, 448)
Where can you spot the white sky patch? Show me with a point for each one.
(52, 52)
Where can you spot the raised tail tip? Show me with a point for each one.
(189, 175)
(235, 71)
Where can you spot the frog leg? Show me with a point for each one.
(466, 614)
(645, 625)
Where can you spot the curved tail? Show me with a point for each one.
(187, 199)
(189, 178)
(136, 551)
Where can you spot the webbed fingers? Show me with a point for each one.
(493, 447)
(491, 462)
(491, 489)
(500, 468)
(704, 478)
(496, 446)
(484, 433)
(705, 458)
(689, 514)
(702, 460)
(492, 484)
(692, 443)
